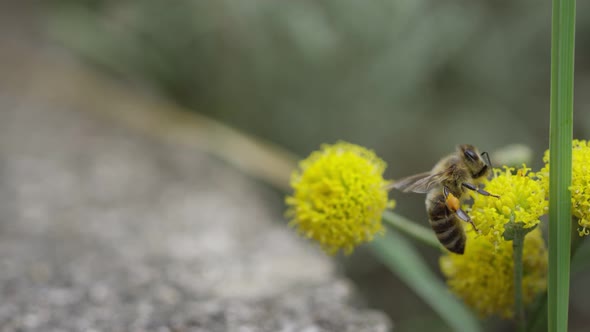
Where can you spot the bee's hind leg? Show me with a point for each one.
(465, 217)
(453, 204)
(478, 190)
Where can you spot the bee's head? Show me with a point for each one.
(473, 160)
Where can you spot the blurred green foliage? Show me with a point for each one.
(410, 79)
(379, 73)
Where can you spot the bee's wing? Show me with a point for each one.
(419, 183)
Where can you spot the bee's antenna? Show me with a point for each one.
(486, 158)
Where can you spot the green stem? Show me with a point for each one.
(517, 249)
(412, 229)
(538, 313)
(562, 81)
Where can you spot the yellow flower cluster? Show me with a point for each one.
(522, 199)
(484, 275)
(339, 196)
(580, 187)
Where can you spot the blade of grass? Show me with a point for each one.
(539, 309)
(562, 74)
(403, 260)
(411, 229)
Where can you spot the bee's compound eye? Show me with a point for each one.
(470, 155)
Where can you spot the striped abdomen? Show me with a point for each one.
(447, 227)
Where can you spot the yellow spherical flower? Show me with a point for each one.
(483, 277)
(522, 199)
(339, 196)
(580, 187)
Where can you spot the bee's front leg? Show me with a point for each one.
(478, 190)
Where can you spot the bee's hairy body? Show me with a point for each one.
(449, 178)
(445, 224)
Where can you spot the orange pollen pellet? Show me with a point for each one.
(453, 203)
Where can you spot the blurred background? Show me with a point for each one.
(409, 79)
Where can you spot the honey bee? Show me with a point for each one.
(446, 187)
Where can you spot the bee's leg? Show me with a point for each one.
(478, 190)
(465, 217)
(455, 207)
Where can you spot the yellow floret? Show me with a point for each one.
(522, 199)
(339, 196)
(580, 188)
(483, 277)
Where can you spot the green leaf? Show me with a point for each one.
(403, 260)
(411, 228)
